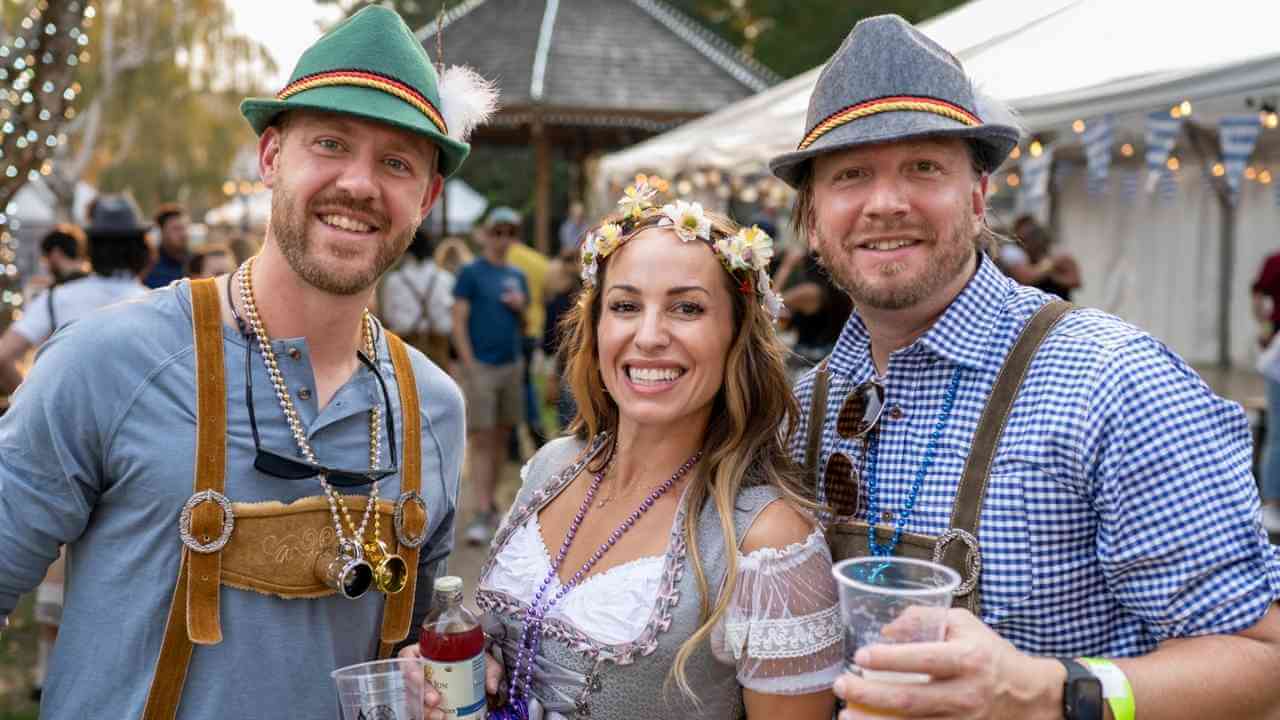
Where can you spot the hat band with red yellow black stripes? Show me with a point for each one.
(898, 103)
(364, 78)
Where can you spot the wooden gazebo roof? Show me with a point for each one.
(595, 64)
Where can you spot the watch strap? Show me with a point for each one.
(1075, 704)
(1115, 687)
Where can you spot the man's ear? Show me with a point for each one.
(269, 147)
(433, 193)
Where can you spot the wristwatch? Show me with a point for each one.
(1081, 693)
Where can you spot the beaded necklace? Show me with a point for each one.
(353, 544)
(517, 707)
(873, 489)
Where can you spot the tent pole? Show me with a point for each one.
(1204, 143)
(1226, 264)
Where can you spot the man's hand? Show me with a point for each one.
(431, 699)
(975, 674)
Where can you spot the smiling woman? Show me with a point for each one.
(687, 556)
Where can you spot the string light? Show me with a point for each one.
(1036, 148)
(1126, 150)
(1013, 180)
(1251, 172)
(35, 90)
(1017, 153)
(1264, 177)
(1173, 164)
(1219, 170)
(1078, 126)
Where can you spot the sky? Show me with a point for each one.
(285, 27)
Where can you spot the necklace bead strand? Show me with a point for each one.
(244, 276)
(531, 630)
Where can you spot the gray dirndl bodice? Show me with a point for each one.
(577, 677)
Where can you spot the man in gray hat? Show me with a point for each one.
(1093, 494)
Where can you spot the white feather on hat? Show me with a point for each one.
(467, 100)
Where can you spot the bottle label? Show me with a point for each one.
(461, 686)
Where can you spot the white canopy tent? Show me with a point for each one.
(1181, 268)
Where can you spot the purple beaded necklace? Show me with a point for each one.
(517, 707)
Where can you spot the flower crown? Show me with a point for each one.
(745, 255)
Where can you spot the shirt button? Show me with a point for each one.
(896, 413)
(295, 353)
(304, 394)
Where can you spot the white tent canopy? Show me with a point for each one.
(1159, 265)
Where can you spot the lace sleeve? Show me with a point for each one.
(782, 628)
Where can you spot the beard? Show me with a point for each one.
(288, 227)
(889, 287)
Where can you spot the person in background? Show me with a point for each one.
(417, 300)
(1097, 500)
(816, 308)
(572, 228)
(171, 258)
(489, 304)
(118, 252)
(1030, 261)
(63, 256)
(534, 266)
(562, 287)
(1265, 302)
(210, 261)
(452, 254)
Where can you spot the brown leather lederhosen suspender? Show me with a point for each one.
(267, 547)
(849, 538)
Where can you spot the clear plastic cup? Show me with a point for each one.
(381, 689)
(892, 600)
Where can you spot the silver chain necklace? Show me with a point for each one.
(244, 277)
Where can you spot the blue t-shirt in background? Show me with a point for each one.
(494, 329)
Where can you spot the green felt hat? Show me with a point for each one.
(370, 66)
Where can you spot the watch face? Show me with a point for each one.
(1086, 699)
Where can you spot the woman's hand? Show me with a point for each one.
(432, 702)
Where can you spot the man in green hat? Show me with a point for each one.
(256, 484)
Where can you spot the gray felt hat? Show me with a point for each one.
(889, 82)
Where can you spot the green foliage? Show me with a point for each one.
(169, 86)
(798, 35)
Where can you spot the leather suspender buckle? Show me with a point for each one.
(204, 546)
(402, 532)
(973, 557)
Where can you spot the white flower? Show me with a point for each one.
(733, 251)
(687, 219)
(757, 247)
(637, 198)
(772, 300)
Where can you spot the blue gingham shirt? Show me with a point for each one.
(1121, 509)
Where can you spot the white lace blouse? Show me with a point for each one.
(782, 629)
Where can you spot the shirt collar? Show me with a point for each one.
(959, 336)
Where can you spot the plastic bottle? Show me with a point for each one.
(452, 643)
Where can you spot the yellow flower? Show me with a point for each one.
(607, 238)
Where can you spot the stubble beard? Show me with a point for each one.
(949, 260)
(288, 227)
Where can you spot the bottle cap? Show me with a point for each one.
(449, 584)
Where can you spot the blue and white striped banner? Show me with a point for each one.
(1161, 136)
(1035, 180)
(1097, 146)
(1276, 186)
(1166, 186)
(1237, 134)
(1129, 183)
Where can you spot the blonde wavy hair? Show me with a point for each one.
(746, 439)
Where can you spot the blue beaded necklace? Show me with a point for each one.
(873, 490)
